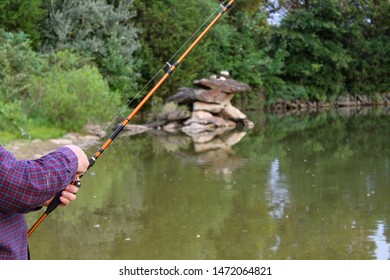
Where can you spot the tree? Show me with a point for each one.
(166, 26)
(18, 63)
(242, 45)
(312, 39)
(22, 16)
(368, 42)
(102, 31)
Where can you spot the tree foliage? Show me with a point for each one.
(22, 16)
(331, 48)
(289, 49)
(167, 27)
(18, 63)
(60, 90)
(241, 47)
(315, 55)
(368, 42)
(105, 32)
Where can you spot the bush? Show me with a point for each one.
(11, 117)
(26, 16)
(97, 29)
(18, 63)
(71, 97)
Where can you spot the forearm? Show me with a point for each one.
(25, 185)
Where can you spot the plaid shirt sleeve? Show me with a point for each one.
(26, 184)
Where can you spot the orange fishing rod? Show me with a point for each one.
(56, 201)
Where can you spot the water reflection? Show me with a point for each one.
(308, 186)
(277, 190)
(382, 250)
(212, 151)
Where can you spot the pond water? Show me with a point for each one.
(297, 186)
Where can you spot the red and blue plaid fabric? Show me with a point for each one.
(24, 186)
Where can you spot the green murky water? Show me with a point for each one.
(309, 186)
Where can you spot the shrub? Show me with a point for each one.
(12, 118)
(22, 16)
(71, 97)
(97, 29)
(18, 63)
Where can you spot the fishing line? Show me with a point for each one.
(197, 31)
(114, 120)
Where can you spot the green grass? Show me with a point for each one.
(45, 133)
(6, 137)
(34, 131)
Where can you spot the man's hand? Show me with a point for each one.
(68, 195)
(82, 159)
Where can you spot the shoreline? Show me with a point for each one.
(347, 101)
(25, 149)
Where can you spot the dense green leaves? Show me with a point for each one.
(290, 49)
(19, 15)
(38, 91)
(331, 48)
(316, 56)
(18, 62)
(368, 42)
(166, 26)
(68, 89)
(102, 31)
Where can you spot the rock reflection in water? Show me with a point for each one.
(211, 150)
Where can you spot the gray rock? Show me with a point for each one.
(211, 108)
(233, 113)
(225, 85)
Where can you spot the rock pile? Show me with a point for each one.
(209, 104)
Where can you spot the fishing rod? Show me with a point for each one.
(56, 201)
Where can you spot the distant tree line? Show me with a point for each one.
(57, 53)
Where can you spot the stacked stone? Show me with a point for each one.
(211, 107)
(205, 114)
